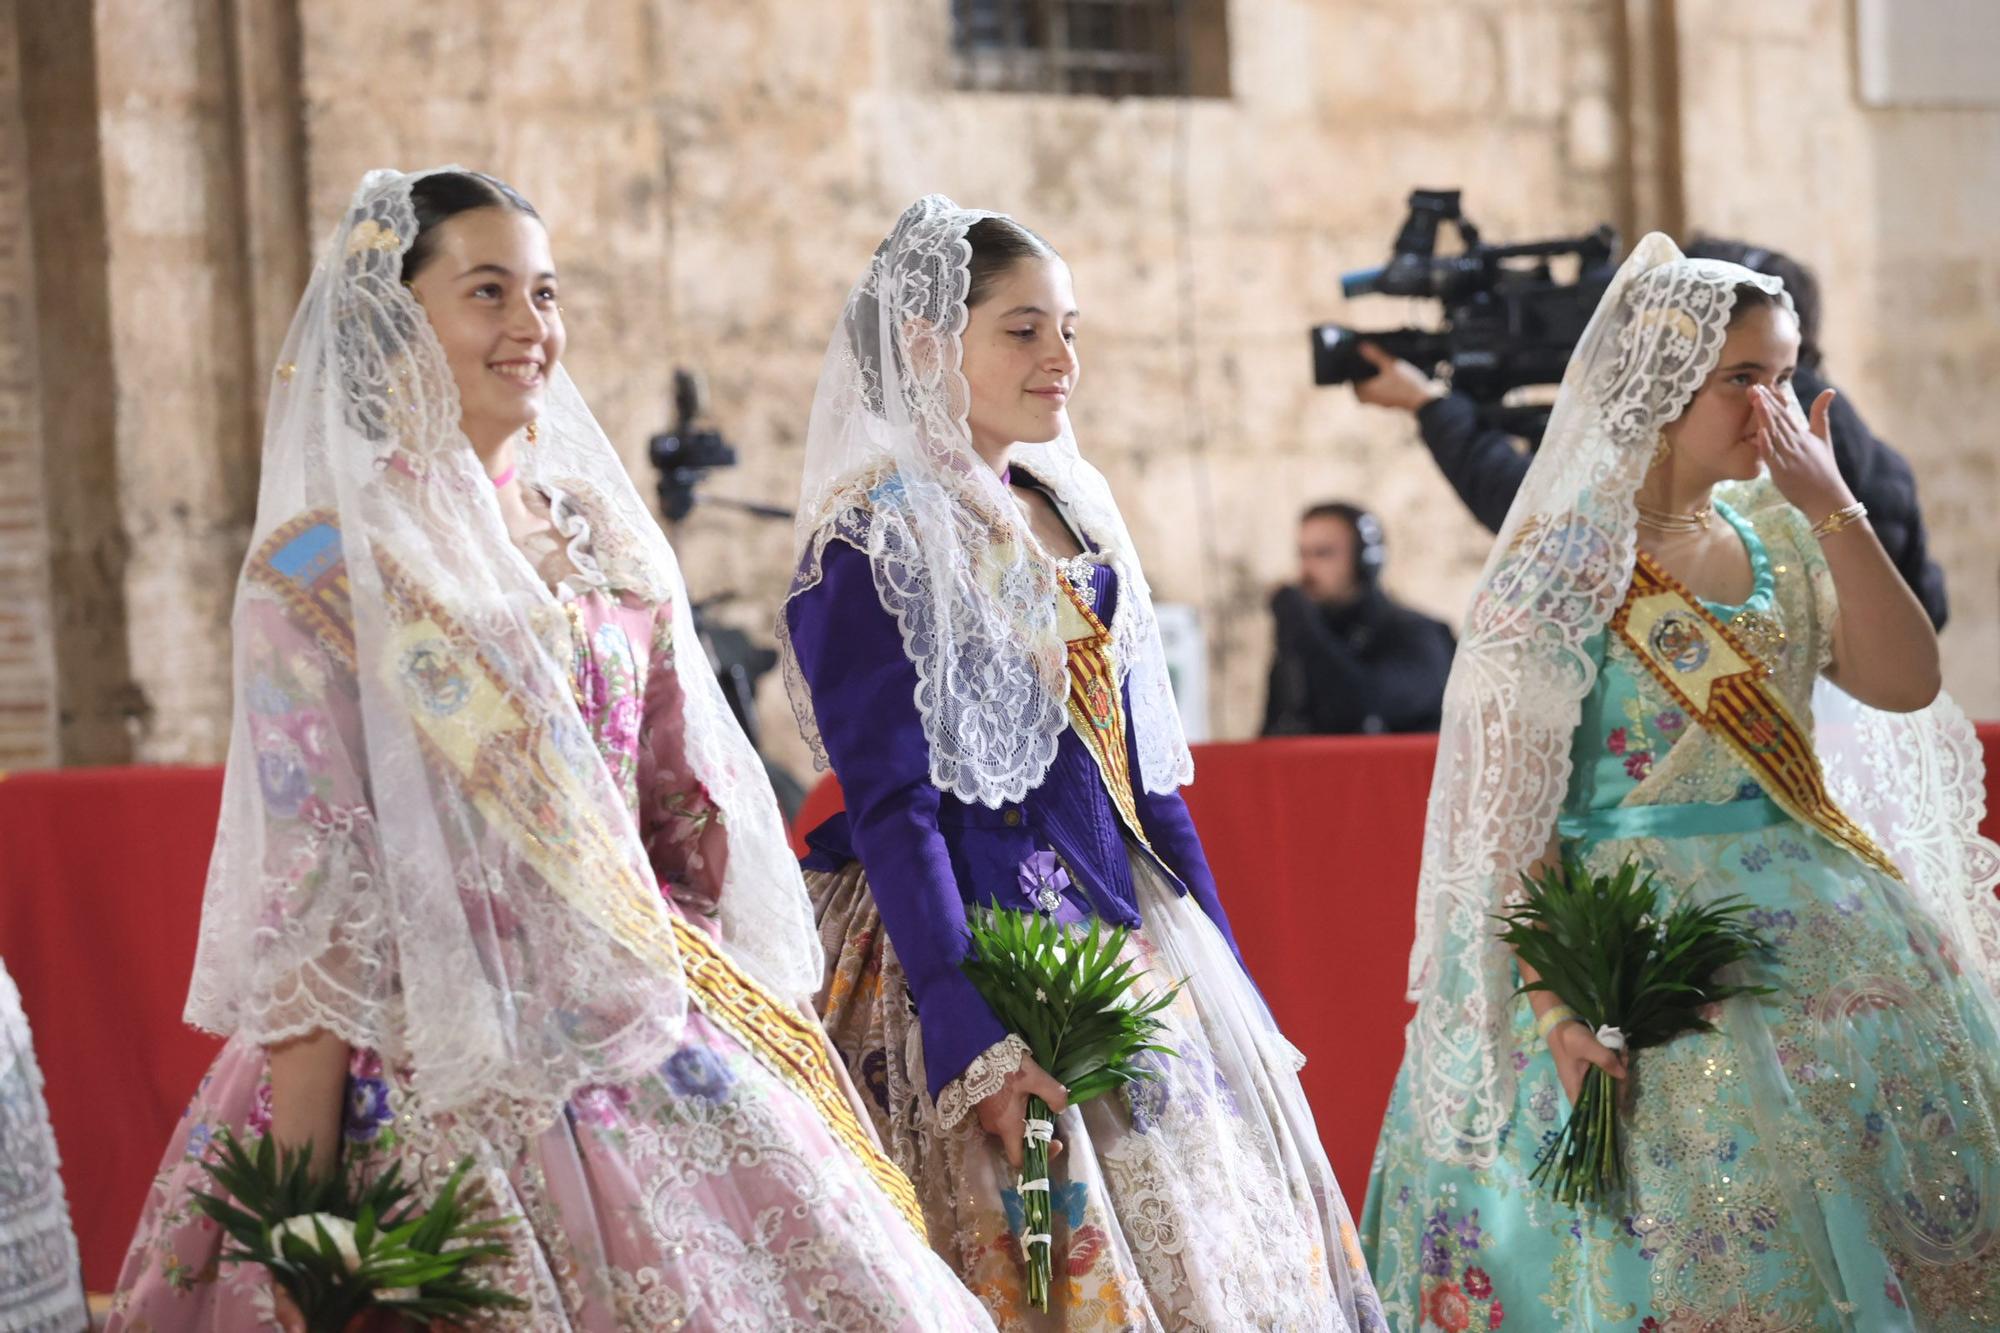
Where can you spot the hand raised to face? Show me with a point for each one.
(1799, 453)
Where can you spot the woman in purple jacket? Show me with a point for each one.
(972, 646)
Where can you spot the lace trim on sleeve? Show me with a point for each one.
(986, 1075)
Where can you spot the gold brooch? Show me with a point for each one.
(1763, 634)
(368, 234)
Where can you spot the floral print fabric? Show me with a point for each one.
(1198, 1200)
(706, 1194)
(1829, 1159)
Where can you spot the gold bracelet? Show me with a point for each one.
(1838, 519)
(1556, 1016)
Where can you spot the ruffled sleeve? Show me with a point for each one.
(309, 945)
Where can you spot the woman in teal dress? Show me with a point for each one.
(1638, 681)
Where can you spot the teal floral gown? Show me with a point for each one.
(1829, 1159)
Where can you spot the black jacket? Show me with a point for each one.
(1374, 666)
(1486, 466)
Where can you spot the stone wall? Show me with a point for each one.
(27, 639)
(1895, 209)
(184, 368)
(716, 176)
(91, 704)
(716, 172)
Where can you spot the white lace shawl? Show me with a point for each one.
(420, 849)
(890, 469)
(1559, 568)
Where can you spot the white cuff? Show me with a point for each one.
(986, 1075)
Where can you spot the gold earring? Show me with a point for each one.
(534, 431)
(1662, 450)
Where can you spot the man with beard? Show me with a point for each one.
(1349, 658)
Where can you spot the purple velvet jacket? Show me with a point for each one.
(928, 854)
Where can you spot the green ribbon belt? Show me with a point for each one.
(1672, 821)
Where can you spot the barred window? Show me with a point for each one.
(1103, 48)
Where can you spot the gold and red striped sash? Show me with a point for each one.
(1706, 668)
(1094, 707)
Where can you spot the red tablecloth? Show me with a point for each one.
(1315, 843)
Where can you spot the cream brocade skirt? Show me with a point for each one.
(1199, 1200)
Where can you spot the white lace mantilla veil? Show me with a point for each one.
(890, 469)
(471, 897)
(1560, 566)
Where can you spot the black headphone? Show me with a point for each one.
(1373, 551)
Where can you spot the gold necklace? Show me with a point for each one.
(1665, 520)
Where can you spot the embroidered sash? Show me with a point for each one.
(1704, 665)
(792, 1049)
(302, 562)
(517, 778)
(1094, 707)
(522, 782)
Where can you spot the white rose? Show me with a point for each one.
(340, 1229)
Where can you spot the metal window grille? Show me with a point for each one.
(1105, 48)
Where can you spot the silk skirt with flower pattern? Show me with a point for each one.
(1200, 1200)
(1828, 1160)
(708, 1195)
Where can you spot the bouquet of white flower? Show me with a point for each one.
(340, 1253)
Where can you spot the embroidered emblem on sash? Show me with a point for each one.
(1715, 677)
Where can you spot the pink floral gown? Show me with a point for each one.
(709, 1194)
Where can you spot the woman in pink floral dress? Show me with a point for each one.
(494, 877)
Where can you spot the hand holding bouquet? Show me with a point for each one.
(1071, 1000)
(1635, 975)
(341, 1254)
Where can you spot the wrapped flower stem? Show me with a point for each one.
(1036, 1237)
(1073, 999)
(1605, 946)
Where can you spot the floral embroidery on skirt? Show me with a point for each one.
(707, 1195)
(1202, 1200)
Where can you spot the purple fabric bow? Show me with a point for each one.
(1043, 880)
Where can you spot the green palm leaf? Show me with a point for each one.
(1605, 946)
(398, 1245)
(1073, 997)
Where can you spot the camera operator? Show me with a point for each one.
(1485, 465)
(1349, 658)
